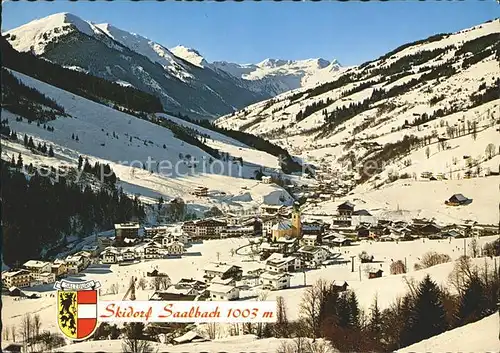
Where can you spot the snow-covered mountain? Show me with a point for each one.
(421, 107)
(119, 56)
(190, 55)
(278, 76)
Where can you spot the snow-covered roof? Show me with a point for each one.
(282, 225)
(15, 273)
(220, 268)
(220, 288)
(36, 263)
(274, 275)
(218, 280)
(361, 213)
(127, 226)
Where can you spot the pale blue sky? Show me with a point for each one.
(248, 32)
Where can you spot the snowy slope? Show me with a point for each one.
(480, 336)
(282, 75)
(322, 138)
(190, 55)
(181, 165)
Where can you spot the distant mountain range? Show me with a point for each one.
(184, 81)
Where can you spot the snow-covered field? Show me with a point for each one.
(386, 288)
(407, 199)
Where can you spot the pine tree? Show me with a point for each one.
(76, 138)
(72, 136)
(51, 151)
(80, 162)
(19, 163)
(13, 161)
(428, 316)
(375, 325)
(353, 310)
(25, 140)
(31, 143)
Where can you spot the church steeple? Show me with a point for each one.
(296, 222)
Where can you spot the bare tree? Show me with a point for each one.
(490, 151)
(212, 330)
(462, 273)
(131, 345)
(13, 333)
(6, 332)
(142, 283)
(113, 289)
(160, 282)
(36, 325)
(26, 330)
(397, 267)
(474, 247)
(432, 258)
(427, 152)
(310, 307)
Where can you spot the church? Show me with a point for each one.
(286, 228)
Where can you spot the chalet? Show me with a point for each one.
(36, 267)
(58, 269)
(164, 296)
(190, 282)
(200, 191)
(86, 257)
(429, 229)
(341, 241)
(12, 347)
(345, 209)
(280, 263)
(458, 200)
(272, 209)
(341, 288)
(222, 292)
(161, 239)
(175, 248)
(266, 179)
(126, 230)
(223, 271)
(128, 255)
(309, 240)
(190, 337)
(152, 250)
(359, 217)
(150, 232)
(375, 274)
(452, 233)
(275, 280)
(313, 228)
(363, 231)
(205, 228)
(227, 282)
(45, 278)
(19, 278)
(313, 254)
(93, 250)
(237, 232)
(75, 263)
(109, 256)
(183, 290)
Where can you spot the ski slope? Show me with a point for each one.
(177, 167)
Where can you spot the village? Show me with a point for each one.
(280, 239)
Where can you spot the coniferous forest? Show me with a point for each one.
(38, 211)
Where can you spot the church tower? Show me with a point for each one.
(296, 223)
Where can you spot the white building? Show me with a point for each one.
(35, 266)
(275, 280)
(309, 239)
(128, 255)
(363, 216)
(175, 248)
(266, 179)
(279, 263)
(109, 256)
(313, 254)
(223, 292)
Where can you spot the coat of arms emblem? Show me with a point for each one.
(77, 308)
